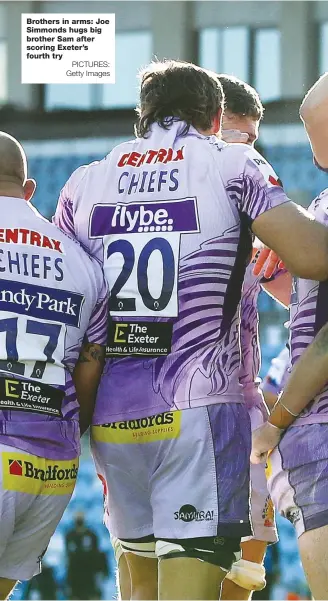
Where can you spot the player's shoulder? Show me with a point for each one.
(239, 155)
(95, 168)
(78, 257)
(243, 154)
(320, 201)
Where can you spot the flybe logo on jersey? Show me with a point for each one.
(40, 302)
(29, 237)
(166, 216)
(38, 476)
(150, 157)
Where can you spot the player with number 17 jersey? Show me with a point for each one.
(52, 296)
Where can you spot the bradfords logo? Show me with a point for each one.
(40, 302)
(164, 426)
(163, 155)
(53, 472)
(189, 513)
(167, 216)
(34, 475)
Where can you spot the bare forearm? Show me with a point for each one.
(86, 378)
(307, 379)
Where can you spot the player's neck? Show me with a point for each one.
(11, 190)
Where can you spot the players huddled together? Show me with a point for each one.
(134, 315)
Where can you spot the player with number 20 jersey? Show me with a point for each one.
(170, 215)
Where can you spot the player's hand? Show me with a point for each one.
(234, 136)
(267, 263)
(264, 439)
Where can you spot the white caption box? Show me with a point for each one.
(68, 48)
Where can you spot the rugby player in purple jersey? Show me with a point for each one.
(171, 215)
(53, 321)
(297, 428)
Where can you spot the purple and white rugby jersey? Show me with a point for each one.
(169, 216)
(249, 336)
(309, 313)
(278, 373)
(52, 294)
(249, 339)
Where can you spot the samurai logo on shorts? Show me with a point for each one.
(189, 513)
(293, 515)
(38, 476)
(268, 513)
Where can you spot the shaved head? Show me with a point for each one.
(13, 164)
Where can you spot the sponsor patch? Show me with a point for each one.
(265, 168)
(164, 426)
(142, 339)
(151, 157)
(268, 513)
(38, 476)
(32, 397)
(293, 515)
(189, 513)
(135, 218)
(23, 236)
(40, 302)
(268, 467)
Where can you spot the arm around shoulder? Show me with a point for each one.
(299, 240)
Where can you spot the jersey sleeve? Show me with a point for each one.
(277, 375)
(257, 189)
(97, 328)
(64, 215)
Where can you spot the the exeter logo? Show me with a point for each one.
(30, 396)
(189, 513)
(167, 216)
(40, 302)
(120, 333)
(142, 339)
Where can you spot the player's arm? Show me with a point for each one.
(288, 229)
(64, 216)
(314, 114)
(89, 367)
(86, 378)
(276, 377)
(270, 398)
(295, 236)
(307, 378)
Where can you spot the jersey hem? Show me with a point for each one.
(28, 447)
(152, 411)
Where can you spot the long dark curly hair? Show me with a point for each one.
(173, 90)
